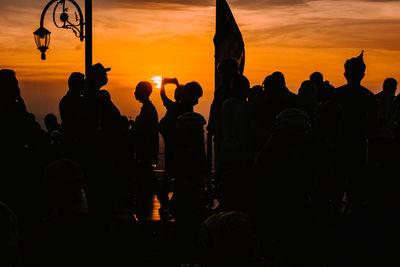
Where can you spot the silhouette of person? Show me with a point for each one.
(228, 69)
(307, 97)
(74, 113)
(277, 98)
(386, 108)
(236, 117)
(53, 127)
(237, 143)
(165, 127)
(323, 92)
(256, 95)
(359, 124)
(54, 136)
(103, 146)
(190, 94)
(147, 145)
(190, 169)
(283, 176)
(21, 141)
(51, 123)
(146, 125)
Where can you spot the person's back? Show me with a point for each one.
(236, 134)
(75, 121)
(359, 125)
(283, 178)
(228, 69)
(358, 102)
(278, 97)
(359, 107)
(21, 149)
(386, 109)
(308, 98)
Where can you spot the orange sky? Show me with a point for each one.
(140, 39)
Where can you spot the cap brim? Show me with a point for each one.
(107, 69)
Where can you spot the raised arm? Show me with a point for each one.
(166, 101)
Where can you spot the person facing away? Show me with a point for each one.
(277, 98)
(228, 69)
(21, 148)
(324, 92)
(358, 103)
(236, 117)
(54, 138)
(168, 122)
(307, 97)
(190, 154)
(386, 108)
(73, 109)
(359, 124)
(50, 120)
(238, 141)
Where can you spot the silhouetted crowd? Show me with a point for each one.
(307, 179)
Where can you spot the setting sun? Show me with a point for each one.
(139, 39)
(157, 80)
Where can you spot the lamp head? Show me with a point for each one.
(42, 40)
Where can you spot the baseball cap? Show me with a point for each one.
(98, 67)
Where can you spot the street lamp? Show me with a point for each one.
(42, 40)
(82, 29)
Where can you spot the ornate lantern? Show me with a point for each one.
(42, 39)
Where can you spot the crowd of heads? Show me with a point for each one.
(294, 174)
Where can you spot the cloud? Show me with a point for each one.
(245, 4)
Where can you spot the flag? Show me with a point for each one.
(228, 39)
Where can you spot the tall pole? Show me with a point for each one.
(88, 38)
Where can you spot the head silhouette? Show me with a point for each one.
(143, 91)
(256, 94)
(317, 79)
(241, 87)
(390, 86)
(9, 84)
(191, 93)
(228, 67)
(307, 89)
(355, 69)
(98, 76)
(267, 83)
(278, 80)
(51, 123)
(76, 82)
(178, 93)
(293, 121)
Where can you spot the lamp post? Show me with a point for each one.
(81, 26)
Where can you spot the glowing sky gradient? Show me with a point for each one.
(142, 39)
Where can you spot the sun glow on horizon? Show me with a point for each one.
(157, 80)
